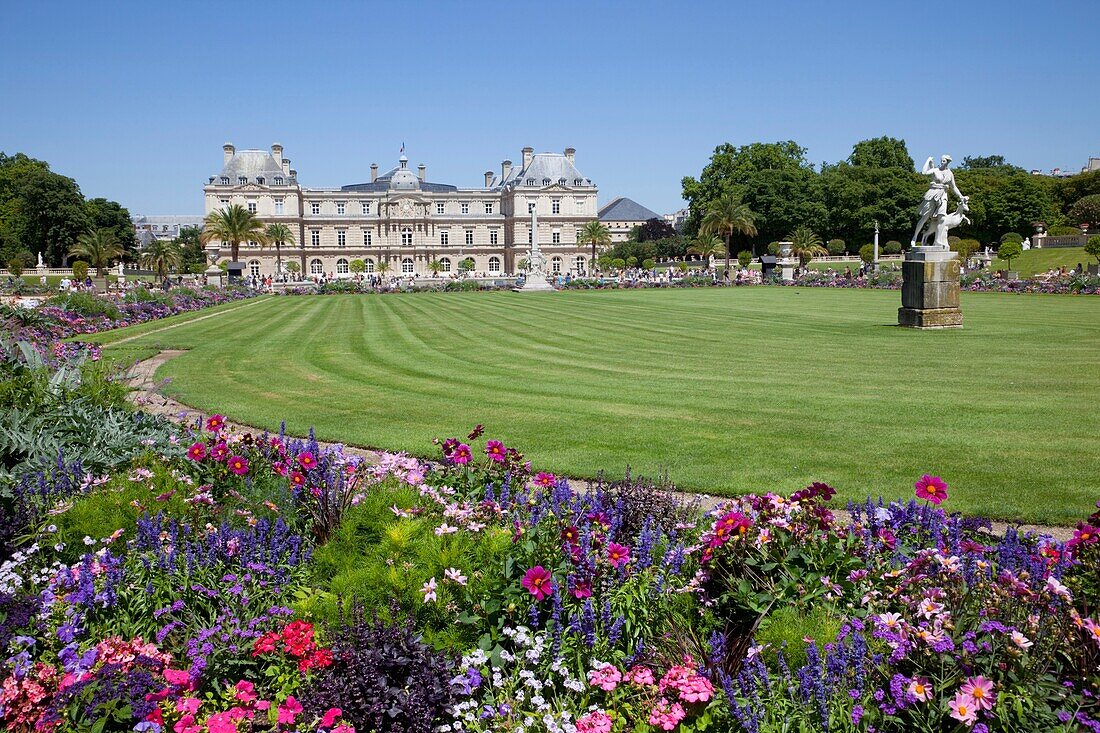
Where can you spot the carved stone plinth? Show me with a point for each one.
(930, 289)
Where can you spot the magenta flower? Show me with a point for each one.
(197, 451)
(215, 423)
(544, 479)
(306, 460)
(220, 452)
(980, 691)
(931, 488)
(963, 709)
(461, 454)
(496, 451)
(539, 582)
(582, 589)
(238, 465)
(618, 555)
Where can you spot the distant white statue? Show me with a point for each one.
(933, 207)
(1026, 244)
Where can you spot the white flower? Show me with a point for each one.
(1020, 640)
(455, 575)
(1058, 590)
(429, 590)
(88, 540)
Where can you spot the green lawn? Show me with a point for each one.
(728, 390)
(1035, 261)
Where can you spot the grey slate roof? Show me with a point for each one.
(251, 164)
(545, 169)
(399, 179)
(624, 209)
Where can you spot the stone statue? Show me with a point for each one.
(933, 209)
(1026, 244)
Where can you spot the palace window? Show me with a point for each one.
(579, 263)
(555, 206)
(315, 208)
(555, 236)
(489, 207)
(407, 266)
(340, 208)
(241, 180)
(577, 181)
(444, 238)
(315, 237)
(494, 264)
(278, 180)
(341, 237)
(445, 264)
(492, 236)
(368, 265)
(251, 243)
(260, 180)
(530, 181)
(342, 267)
(580, 205)
(440, 207)
(561, 181)
(555, 265)
(465, 208)
(366, 239)
(278, 206)
(316, 267)
(530, 206)
(225, 203)
(469, 237)
(254, 268)
(406, 237)
(546, 181)
(366, 206)
(251, 207)
(225, 180)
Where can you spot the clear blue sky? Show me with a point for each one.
(135, 100)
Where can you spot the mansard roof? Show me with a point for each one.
(624, 209)
(543, 170)
(251, 164)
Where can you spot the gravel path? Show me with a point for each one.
(141, 376)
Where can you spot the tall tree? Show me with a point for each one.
(104, 214)
(728, 215)
(881, 152)
(654, 229)
(97, 247)
(232, 225)
(279, 234)
(707, 246)
(191, 249)
(783, 200)
(595, 234)
(988, 162)
(40, 211)
(855, 197)
(161, 256)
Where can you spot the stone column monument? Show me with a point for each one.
(930, 272)
(536, 263)
(214, 274)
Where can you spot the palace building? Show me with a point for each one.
(402, 219)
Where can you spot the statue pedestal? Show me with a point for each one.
(930, 289)
(215, 276)
(535, 282)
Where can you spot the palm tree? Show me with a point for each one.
(383, 267)
(98, 247)
(596, 234)
(162, 255)
(805, 245)
(707, 247)
(435, 267)
(279, 234)
(233, 224)
(726, 215)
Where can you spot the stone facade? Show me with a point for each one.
(401, 218)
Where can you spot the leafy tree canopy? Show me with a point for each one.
(651, 230)
(989, 163)
(881, 152)
(110, 215)
(1086, 210)
(40, 211)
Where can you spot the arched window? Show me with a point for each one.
(445, 264)
(316, 267)
(406, 237)
(342, 267)
(407, 266)
(494, 264)
(368, 265)
(579, 263)
(555, 265)
(254, 268)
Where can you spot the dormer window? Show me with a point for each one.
(576, 181)
(561, 181)
(530, 181)
(260, 180)
(278, 180)
(241, 180)
(546, 181)
(225, 180)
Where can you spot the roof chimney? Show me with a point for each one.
(488, 178)
(277, 152)
(228, 150)
(528, 153)
(420, 171)
(293, 173)
(286, 165)
(569, 154)
(505, 169)
(373, 172)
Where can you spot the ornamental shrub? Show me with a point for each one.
(1092, 247)
(893, 247)
(1011, 237)
(835, 247)
(85, 304)
(773, 248)
(1064, 231)
(384, 678)
(80, 269)
(867, 253)
(966, 247)
(1010, 251)
(1086, 210)
(744, 258)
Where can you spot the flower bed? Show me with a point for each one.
(228, 582)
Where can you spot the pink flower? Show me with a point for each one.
(221, 723)
(696, 689)
(545, 480)
(539, 582)
(605, 677)
(920, 689)
(595, 722)
(496, 451)
(215, 423)
(220, 451)
(618, 555)
(245, 691)
(306, 460)
(666, 716)
(887, 538)
(177, 677)
(1085, 534)
(197, 451)
(429, 591)
(639, 675)
(582, 589)
(330, 717)
(980, 691)
(188, 705)
(963, 709)
(931, 488)
(238, 465)
(461, 454)
(289, 710)
(343, 728)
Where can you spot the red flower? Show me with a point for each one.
(197, 451)
(215, 423)
(539, 582)
(330, 717)
(931, 488)
(297, 478)
(265, 644)
(1085, 534)
(220, 452)
(461, 454)
(298, 638)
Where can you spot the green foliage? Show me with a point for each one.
(99, 247)
(965, 248)
(232, 225)
(1063, 231)
(19, 262)
(80, 269)
(773, 248)
(466, 265)
(881, 152)
(357, 266)
(85, 304)
(192, 252)
(293, 267)
(988, 162)
(40, 211)
(112, 216)
(1092, 247)
(805, 245)
(161, 256)
(1005, 201)
(1010, 251)
(648, 264)
(1086, 210)
(1011, 237)
(786, 629)
(867, 253)
(744, 258)
(835, 247)
(893, 247)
